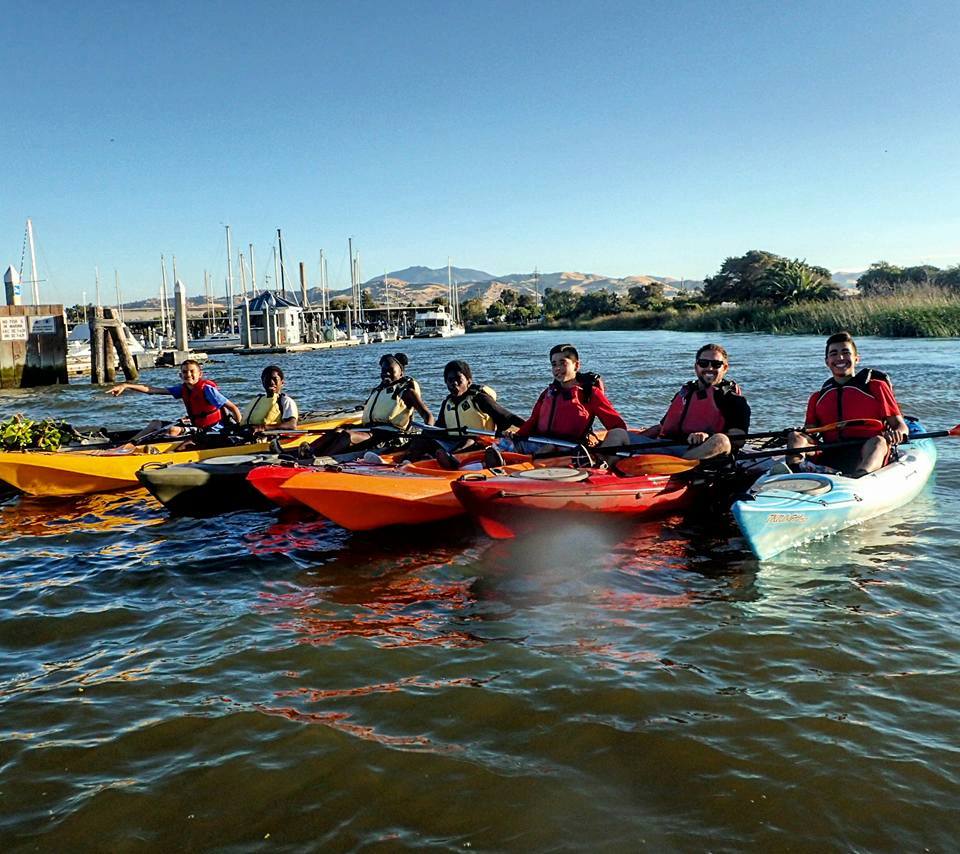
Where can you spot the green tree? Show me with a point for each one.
(339, 304)
(600, 303)
(950, 278)
(520, 315)
(367, 301)
(496, 311)
(509, 297)
(441, 301)
(881, 278)
(739, 277)
(649, 296)
(787, 282)
(472, 311)
(560, 305)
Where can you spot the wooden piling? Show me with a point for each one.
(109, 356)
(95, 319)
(127, 363)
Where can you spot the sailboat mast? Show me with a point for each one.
(253, 274)
(353, 283)
(163, 296)
(116, 281)
(33, 262)
(96, 272)
(326, 288)
(230, 279)
(283, 276)
(243, 277)
(323, 297)
(359, 295)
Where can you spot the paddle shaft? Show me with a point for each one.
(847, 443)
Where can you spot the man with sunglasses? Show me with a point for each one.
(706, 412)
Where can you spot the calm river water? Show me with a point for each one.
(257, 683)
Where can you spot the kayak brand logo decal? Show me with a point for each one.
(786, 517)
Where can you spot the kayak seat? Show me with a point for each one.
(806, 485)
(557, 474)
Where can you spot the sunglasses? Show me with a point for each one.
(710, 363)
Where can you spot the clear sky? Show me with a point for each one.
(607, 137)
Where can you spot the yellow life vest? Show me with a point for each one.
(265, 410)
(465, 413)
(385, 405)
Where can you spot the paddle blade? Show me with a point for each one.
(954, 431)
(654, 464)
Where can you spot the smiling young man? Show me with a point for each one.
(706, 412)
(274, 408)
(851, 394)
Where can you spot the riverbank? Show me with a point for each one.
(927, 314)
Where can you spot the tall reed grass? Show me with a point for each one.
(927, 312)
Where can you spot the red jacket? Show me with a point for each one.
(202, 413)
(711, 409)
(568, 413)
(868, 395)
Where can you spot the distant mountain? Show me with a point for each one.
(420, 285)
(487, 288)
(427, 276)
(846, 279)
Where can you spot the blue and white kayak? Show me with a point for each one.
(784, 510)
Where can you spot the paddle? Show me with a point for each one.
(770, 434)
(663, 464)
(812, 449)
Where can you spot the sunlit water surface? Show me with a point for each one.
(265, 682)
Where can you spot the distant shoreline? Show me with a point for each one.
(933, 314)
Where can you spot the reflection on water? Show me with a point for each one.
(273, 679)
(87, 514)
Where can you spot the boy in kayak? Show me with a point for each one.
(850, 394)
(204, 401)
(706, 413)
(566, 410)
(274, 408)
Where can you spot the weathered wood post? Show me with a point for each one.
(109, 355)
(95, 319)
(127, 363)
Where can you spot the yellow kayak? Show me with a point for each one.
(44, 473)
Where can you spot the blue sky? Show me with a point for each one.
(609, 137)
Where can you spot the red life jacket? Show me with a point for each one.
(202, 413)
(869, 394)
(565, 412)
(695, 409)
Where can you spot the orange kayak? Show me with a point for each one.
(363, 498)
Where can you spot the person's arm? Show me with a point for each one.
(897, 429)
(602, 408)
(736, 415)
(216, 398)
(810, 419)
(234, 411)
(415, 402)
(117, 390)
(502, 417)
(289, 414)
(530, 424)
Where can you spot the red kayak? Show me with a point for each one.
(267, 480)
(503, 504)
